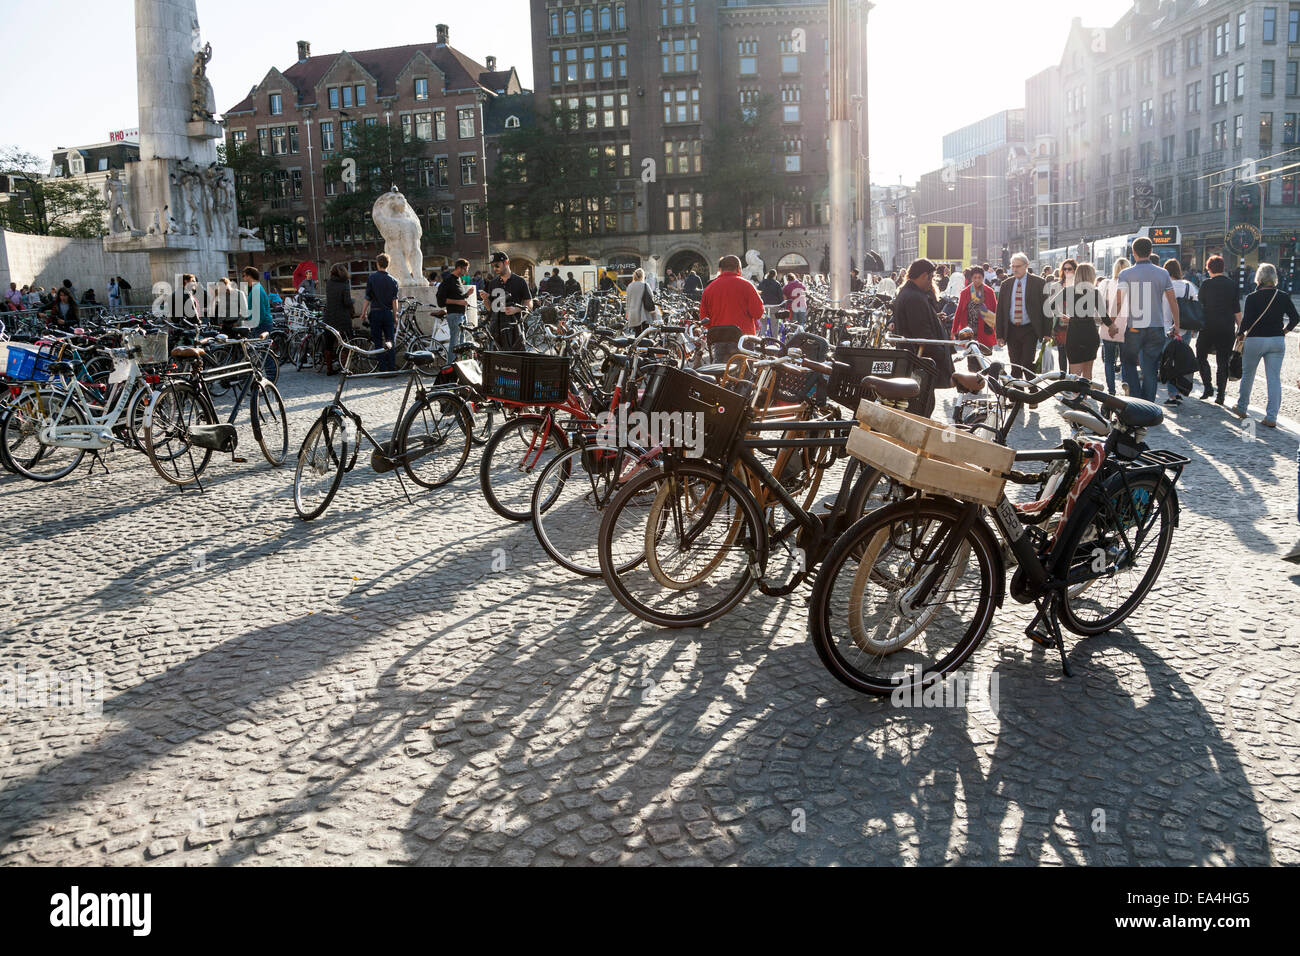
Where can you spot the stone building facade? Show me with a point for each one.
(303, 115)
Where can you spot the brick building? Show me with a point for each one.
(303, 115)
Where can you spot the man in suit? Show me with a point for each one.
(1022, 312)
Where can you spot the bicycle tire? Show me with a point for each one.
(445, 421)
(331, 459)
(844, 652)
(1083, 547)
(624, 534)
(26, 464)
(270, 422)
(177, 407)
(509, 494)
(568, 533)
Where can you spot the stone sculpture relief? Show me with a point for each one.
(401, 229)
(119, 212)
(753, 265)
(203, 102)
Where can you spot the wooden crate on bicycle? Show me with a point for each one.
(928, 456)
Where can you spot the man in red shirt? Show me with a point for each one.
(731, 299)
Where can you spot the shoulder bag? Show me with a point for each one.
(1234, 361)
(1190, 316)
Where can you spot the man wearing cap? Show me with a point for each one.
(506, 296)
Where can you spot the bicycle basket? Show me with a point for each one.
(147, 348)
(852, 365)
(793, 386)
(526, 377)
(670, 391)
(20, 362)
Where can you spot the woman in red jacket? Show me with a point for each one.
(975, 302)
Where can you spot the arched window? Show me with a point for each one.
(570, 21)
(604, 18)
(620, 16)
(555, 23)
(588, 20)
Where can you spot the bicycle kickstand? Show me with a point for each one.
(96, 457)
(1045, 630)
(403, 486)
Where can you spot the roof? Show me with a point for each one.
(385, 65)
(501, 108)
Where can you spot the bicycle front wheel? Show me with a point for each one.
(433, 440)
(270, 422)
(570, 499)
(682, 547)
(1117, 553)
(873, 627)
(512, 460)
(321, 463)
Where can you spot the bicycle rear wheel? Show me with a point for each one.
(177, 408)
(434, 440)
(512, 460)
(270, 422)
(1118, 578)
(321, 463)
(20, 445)
(872, 628)
(705, 535)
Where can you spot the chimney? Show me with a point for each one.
(442, 34)
(304, 51)
(492, 64)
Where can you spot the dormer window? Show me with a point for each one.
(421, 88)
(512, 122)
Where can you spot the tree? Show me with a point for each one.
(384, 159)
(744, 170)
(49, 206)
(550, 180)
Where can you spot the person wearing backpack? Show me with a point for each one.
(1184, 292)
(1263, 337)
(641, 308)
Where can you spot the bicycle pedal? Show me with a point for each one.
(237, 460)
(1041, 638)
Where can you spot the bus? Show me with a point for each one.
(1166, 242)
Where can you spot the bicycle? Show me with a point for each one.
(920, 579)
(425, 443)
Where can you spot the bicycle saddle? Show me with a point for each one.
(968, 381)
(420, 357)
(893, 389)
(1133, 412)
(187, 352)
(1085, 419)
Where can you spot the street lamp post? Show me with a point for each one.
(841, 129)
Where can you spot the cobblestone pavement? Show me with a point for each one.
(367, 688)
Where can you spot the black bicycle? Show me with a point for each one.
(431, 436)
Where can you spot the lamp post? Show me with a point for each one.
(841, 130)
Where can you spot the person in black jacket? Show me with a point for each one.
(339, 312)
(1025, 295)
(1221, 308)
(1268, 317)
(770, 291)
(916, 317)
(572, 286)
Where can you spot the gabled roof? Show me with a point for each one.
(385, 65)
(501, 81)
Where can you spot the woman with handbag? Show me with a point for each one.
(1264, 337)
(1221, 314)
(1112, 334)
(1084, 309)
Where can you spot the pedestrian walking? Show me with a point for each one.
(641, 307)
(572, 286)
(340, 310)
(1221, 309)
(1022, 319)
(730, 298)
(1142, 286)
(1184, 291)
(1060, 332)
(114, 293)
(916, 316)
(381, 306)
(977, 308)
(1112, 335)
(1263, 338)
(773, 296)
(1085, 311)
(795, 296)
(259, 303)
(692, 284)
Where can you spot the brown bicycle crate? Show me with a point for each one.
(927, 456)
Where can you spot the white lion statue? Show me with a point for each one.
(753, 267)
(401, 229)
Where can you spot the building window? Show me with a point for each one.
(1125, 121)
(570, 21)
(424, 127)
(1167, 147)
(790, 64)
(1241, 30)
(1270, 24)
(605, 20)
(683, 157)
(1219, 134)
(620, 15)
(1148, 70)
(1266, 130)
(1221, 38)
(1194, 142)
(361, 96)
(440, 125)
(279, 144)
(671, 12)
(1266, 77)
(277, 104)
(1107, 124)
(469, 213)
(1148, 114)
(421, 88)
(465, 122)
(327, 136)
(1293, 26)
(588, 62)
(682, 105)
(684, 211)
(1292, 87)
(1194, 97)
(334, 97)
(679, 56)
(1167, 106)
(555, 23)
(441, 172)
(468, 170)
(1194, 50)
(1239, 89)
(790, 96)
(793, 155)
(1168, 59)
(588, 20)
(512, 122)
(264, 142)
(347, 96)
(239, 136)
(1238, 130)
(348, 129)
(1288, 129)
(1219, 94)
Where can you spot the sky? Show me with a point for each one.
(935, 65)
